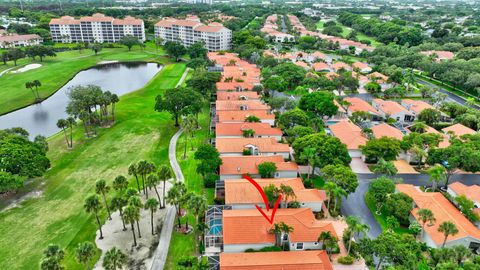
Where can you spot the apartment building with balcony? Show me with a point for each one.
(95, 28)
(214, 36)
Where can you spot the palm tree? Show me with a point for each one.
(52, 258)
(419, 153)
(63, 124)
(287, 193)
(92, 205)
(131, 214)
(36, 84)
(188, 126)
(151, 204)
(309, 154)
(386, 168)
(329, 187)
(120, 183)
(144, 168)
(102, 188)
(117, 203)
(447, 228)
(278, 230)
(174, 196)
(164, 173)
(425, 215)
(354, 226)
(114, 259)
(114, 99)
(132, 170)
(71, 122)
(198, 204)
(437, 174)
(185, 203)
(136, 202)
(29, 85)
(337, 193)
(84, 253)
(152, 182)
(328, 241)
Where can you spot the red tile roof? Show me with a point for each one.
(459, 130)
(471, 192)
(237, 145)
(349, 134)
(236, 129)
(239, 116)
(248, 164)
(359, 105)
(385, 130)
(237, 105)
(248, 95)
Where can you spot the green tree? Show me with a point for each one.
(152, 205)
(63, 124)
(329, 150)
(318, 103)
(136, 202)
(129, 41)
(379, 189)
(467, 206)
(399, 206)
(114, 259)
(342, 175)
(144, 168)
(84, 253)
(10, 182)
(329, 241)
(102, 188)
(197, 50)
(437, 175)
(425, 215)
(280, 229)
(15, 54)
(373, 88)
(204, 82)
(164, 173)
(272, 193)
(178, 102)
(308, 154)
(174, 196)
(131, 214)
(429, 116)
(132, 170)
(92, 205)
(292, 118)
(355, 226)
(209, 158)
(117, 203)
(386, 148)
(267, 169)
(174, 49)
(387, 168)
(120, 183)
(447, 228)
(52, 258)
(96, 48)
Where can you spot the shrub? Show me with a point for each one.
(247, 152)
(210, 180)
(348, 260)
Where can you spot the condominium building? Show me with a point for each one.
(95, 28)
(215, 36)
(14, 40)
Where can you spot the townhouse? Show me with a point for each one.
(241, 105)
(241, 130)
(337, 66)
(214, 36)
(443, 210)
(359, 105)
(458, 130)
(241, 116)
(255, 230)
(300, 260)
(470, 192)
(270, 28)
(386, 130)
(350, 135)
(381, 79)
(234, 167)
(225, 95)
(95, 28)
(362, 67)
(15, 40)
(391, 109)
(252, 147)
(241, 194)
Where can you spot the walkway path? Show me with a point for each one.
(160, 256)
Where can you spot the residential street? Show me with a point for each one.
(355, 203)
(451, 96)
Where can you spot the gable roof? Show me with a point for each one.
(471, 192)
(349, 134)
(236, 129)
(237, 95)
(235, 105)
(389, 107)
(248, 164)
(443, 211)
(416, 106)
(283, 260)
(241, 191)
(239, 116)
(255, 228)
(385, 130)
(360, 105)
(459, 130)
(237, 145)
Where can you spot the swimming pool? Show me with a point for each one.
(215, 226)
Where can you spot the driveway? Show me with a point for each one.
(358, 166)
(403, 167)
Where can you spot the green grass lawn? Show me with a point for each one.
(382, 218)
(57, 71)
(58, 216)
(346, 30)
(184, 245)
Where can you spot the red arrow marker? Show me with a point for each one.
(265, 200)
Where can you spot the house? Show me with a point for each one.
(443, 210)
(381, 79)
(315, 56)
(238, 130)
(241, 194)
(247, 95)
(458, 130)
(240, 116)
(302, 65)
(234, 167)
(444, 143)
(439, 55)
(300, 260)
(247, 228)
(251, 146)
(341, 65)
(350, 135)
(391, 109)
(321, 67)
(362, 67)
(415, 106)
(471, 192)
(360, 105)
(241, 105)
(331, 75)
(234, 86)
(386, 130)
(14, 40)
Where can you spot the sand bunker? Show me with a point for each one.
(26, 68)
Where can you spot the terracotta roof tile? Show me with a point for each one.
(471, 192)
(389, 107)
(459, 130)
(416, 106)
(349, 134)
(237, 105)
(359, 105)
(385, 130)
(235, 129)
(237, 145)
(248, 95)
(239, 116)
(248, 164)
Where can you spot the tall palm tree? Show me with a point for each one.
(277, 230)
(437, 175)
(29, 85)
(309, 154)
(71, 122)
(328, 241)
(120, 183)
(354, 226)
(164, 173)
(84, 253)
(144, 168)
(185, 203)
(188, 126)
(132, 170)
(131, 214)
(447, 228)
(136, 202)
(174, 197)
(52, 258)
(425, 216)
(337, 193)
(114, 259)
(114, 99)
(117, 203)
(152, 182)
(93, 205)
(329, 187)
(36, 84)
(152, 205)
(63, 124)
(287, 193)
(101, 187)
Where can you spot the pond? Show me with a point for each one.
(118, 78)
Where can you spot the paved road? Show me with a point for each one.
(451, 96)
(355, 203)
